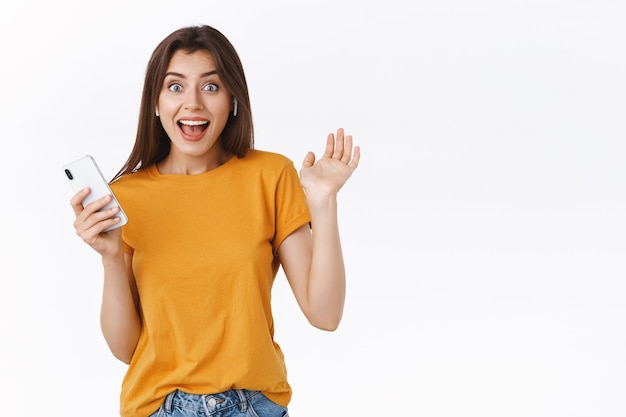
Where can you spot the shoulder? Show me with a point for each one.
(266, 157)
(266, 161)
(130, 181)
(263, 166)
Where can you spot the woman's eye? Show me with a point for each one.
(176, 88)
(210, 87)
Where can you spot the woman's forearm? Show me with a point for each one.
(119, 318)
(327, 277)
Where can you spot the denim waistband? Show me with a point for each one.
(209, 403)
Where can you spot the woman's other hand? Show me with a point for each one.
(91, 223)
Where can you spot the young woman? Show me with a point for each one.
(187, 282)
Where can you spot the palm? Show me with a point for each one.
(332, 170)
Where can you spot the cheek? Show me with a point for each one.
(165, 105)
(225, 108)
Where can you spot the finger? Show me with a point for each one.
(104, 215)
(330, 146)
(98, 204)
(92, 235)
(77, 200)
(85, 221)
(309, 160)
(356, 157)
(347, 152)
(339, 144)
(103, 225)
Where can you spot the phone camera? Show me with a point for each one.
(69, 174)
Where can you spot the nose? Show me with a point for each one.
(193, 101)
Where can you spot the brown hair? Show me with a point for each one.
(152, 143)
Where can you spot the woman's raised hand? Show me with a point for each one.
(329, 173)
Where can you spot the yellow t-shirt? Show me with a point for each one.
(204, 258)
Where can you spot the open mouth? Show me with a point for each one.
(193, 127)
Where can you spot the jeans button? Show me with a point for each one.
(212, 402)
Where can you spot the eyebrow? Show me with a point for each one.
(179, 75)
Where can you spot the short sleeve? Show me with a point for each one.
(291, 208)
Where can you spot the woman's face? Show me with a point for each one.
(194, 106)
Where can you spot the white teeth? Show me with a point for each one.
(193, 122)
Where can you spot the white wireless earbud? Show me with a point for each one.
(156, 111)
(235, 104)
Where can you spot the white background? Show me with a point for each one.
(484, 231)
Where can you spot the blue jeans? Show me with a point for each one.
(232, 403)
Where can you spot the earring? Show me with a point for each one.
(156, 111)
(235, 104)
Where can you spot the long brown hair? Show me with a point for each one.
(152, 143)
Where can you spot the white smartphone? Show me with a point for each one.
(86, 173)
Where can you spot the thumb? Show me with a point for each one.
(309, 160)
